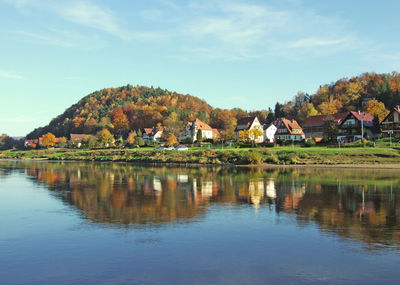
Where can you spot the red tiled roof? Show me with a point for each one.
(200, 125)
(216, 132)
(148, 131)
(319, 120)
(291, 125)
(362, 116)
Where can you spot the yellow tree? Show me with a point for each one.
(376, 109)
(131, 137)
(254, 134)
(48, 140)
(243, 135)
(171, 140)
(105, 137)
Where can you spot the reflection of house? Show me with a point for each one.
(288, 130)
(247, 124)
(157, 184)
(314, 125)
(390, 125)
(152, 134)
(256, 192)
(182, 178)
(192, 129)
(269, 133)
(271, 191)
(355, 125)
(206, 188)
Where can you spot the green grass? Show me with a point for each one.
(217, 155)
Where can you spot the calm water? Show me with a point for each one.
(77, 223)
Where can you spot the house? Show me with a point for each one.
(152, 134)
(247, 124)
(216, 133)
(192, 129)
(288, 130)
(314, 126)
(390, 125)
(77, 139)
(31, 143)
(355, 126)
(269, 132)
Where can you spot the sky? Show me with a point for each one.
(247, 54)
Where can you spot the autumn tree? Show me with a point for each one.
(376, 109)
(120, 121)
(243, 135)
(253, 134)
(131, 137)
(307, 109)
(104, 137)
(62, 142)
(48, 140)
(171, 140)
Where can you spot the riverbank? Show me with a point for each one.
(366, 157)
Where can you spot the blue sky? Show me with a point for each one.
(246, 54)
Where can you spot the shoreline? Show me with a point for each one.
(280, 157)
(227, 165)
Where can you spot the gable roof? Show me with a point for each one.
(362, 116)
(393, 110)
(216, 132)
(148, 131)
(245, 123)
(319, 120)
(291, 125)
(200, 125)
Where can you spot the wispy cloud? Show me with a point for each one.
(93, 16)
(47, 39)
(10, 75)
(237, 30)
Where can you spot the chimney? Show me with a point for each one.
(359, 112)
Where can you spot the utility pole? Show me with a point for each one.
(362, 129)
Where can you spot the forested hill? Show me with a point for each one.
(126, 108)
(132, 108)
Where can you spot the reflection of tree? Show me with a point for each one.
(361, 205)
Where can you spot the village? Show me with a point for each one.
(340, 128)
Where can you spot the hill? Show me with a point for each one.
(126, 108)
(131, 108)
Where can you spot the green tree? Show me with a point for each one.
(199, 136)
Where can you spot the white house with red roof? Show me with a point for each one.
(288, 130)
(247, 124)
(390, 125)
(192, 129)
(152, 134)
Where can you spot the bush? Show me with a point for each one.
(254, 157)
(310, 142)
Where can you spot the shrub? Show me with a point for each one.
(310, 142)
(254, 157)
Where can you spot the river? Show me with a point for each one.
(105, 223)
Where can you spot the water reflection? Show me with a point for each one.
(362, 205)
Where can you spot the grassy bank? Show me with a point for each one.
(238, 156)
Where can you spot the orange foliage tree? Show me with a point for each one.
(48, 140)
